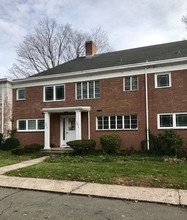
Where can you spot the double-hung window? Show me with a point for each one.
(54, 93)
(162, 80)
(21, 94)
(29, 125)
(88, 90)
(131, 83)
(172, 120)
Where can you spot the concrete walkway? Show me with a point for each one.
(21, 165)
(158, 195)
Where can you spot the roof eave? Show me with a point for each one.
(101, 70)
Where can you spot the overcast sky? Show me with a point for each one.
(129, 23)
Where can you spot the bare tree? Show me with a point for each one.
(100, 37)
(51, 44)
(184, 20)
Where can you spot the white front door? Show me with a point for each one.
(67, 129)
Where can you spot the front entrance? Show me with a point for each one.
(67, 129)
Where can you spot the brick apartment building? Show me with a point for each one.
(126, 92)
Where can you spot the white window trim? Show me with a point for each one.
(29, 130)
(116, 129)
(174, 121)
(158, 74)
(17, 94)
(88, 92)
(54, 93)
(131, 90)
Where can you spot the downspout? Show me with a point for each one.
(2, 108)
(88, 125)
(147, 108)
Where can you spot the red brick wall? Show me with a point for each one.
(168, 100)
(113, 101)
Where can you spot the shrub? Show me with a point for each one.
(33, 147)
(30, 148)
(82, 146)
(154, 146)
(1, 139)
(12, 132)
(110, 143)
(170, 142)
(182, 152)
(18, 151)
(10, 143)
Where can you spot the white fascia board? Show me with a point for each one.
(102, 73)
(67, 109)
(6, 80)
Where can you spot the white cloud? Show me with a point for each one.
(128, 23)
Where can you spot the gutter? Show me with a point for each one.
(2, 108)
(99, 70)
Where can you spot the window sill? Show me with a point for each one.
(131, 90)
(88, 99)
(29, 131)
(163, 87)
(61, 100)
(173, 128)
(117, 129)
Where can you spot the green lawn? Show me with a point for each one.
(125, 170)
(7, 158)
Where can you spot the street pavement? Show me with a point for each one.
(145, 194)
(17, 204)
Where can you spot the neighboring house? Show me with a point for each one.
(125, 92)
(5, 107)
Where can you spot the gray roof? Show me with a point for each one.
(123, 57)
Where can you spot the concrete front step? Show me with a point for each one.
(58, 150)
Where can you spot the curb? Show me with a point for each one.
(154, 195)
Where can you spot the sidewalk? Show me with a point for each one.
(158, 195)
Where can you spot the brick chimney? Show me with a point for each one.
(90, 48)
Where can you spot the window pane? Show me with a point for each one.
(78, 90)
(31, 124)
(91, 90)
(49, 93)
(119, 122)
(59, 92)
(41, 124)
(71, 124)
(99, 123)
(134, 82)
(163, 80)
(22, 125)
(106, 125)
(21, 94)
(166, 121)
(97, 89)
(112, 122)
(127, 83)
(181, 120)
(127, 122)
(134, 122)
(84, 90)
